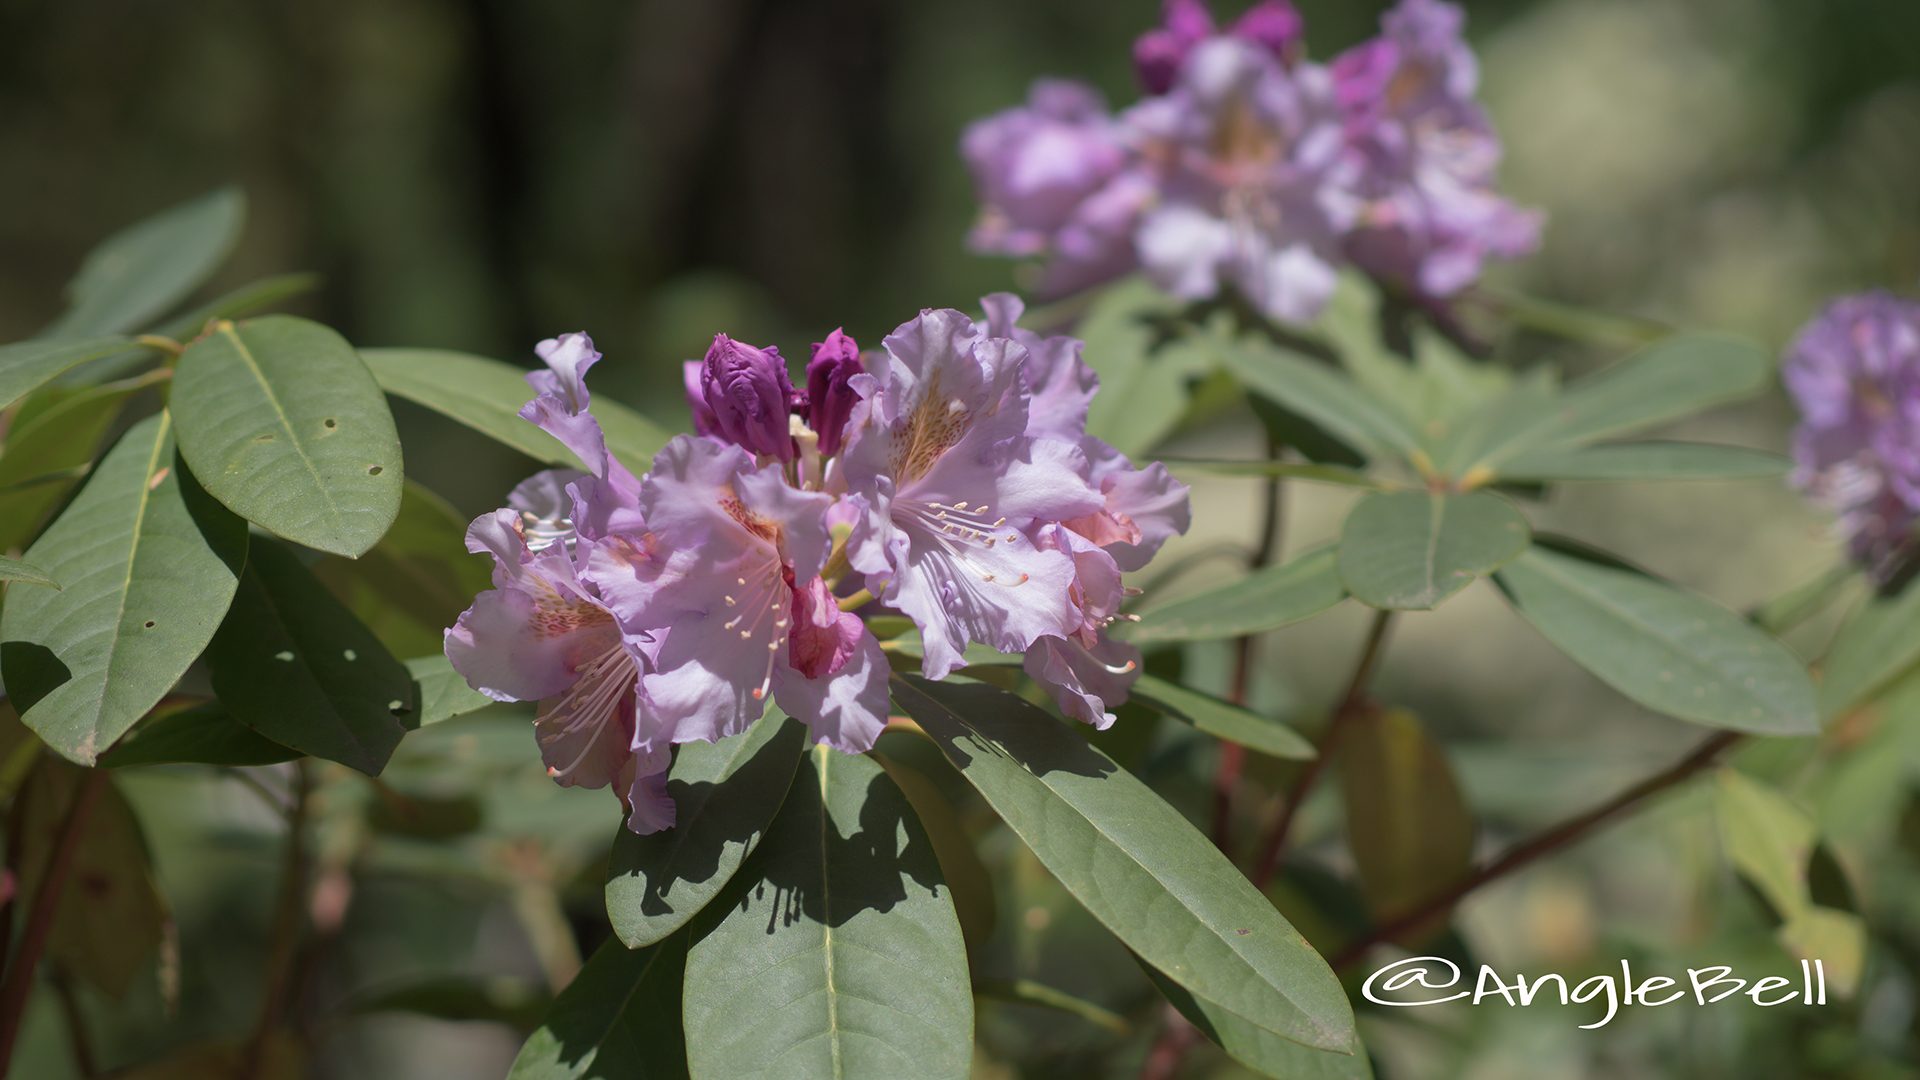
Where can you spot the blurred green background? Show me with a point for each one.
(483, 175)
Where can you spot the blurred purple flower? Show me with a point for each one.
(1253, 181)
(1854, 372)
(1432, 213)
(1056, 179)
(1160, 53)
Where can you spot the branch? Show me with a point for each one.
(46, 902)
(287, 918)
(1542, 844)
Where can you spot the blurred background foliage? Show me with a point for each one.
(483, 175)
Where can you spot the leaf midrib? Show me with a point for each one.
(286, 425)
(147, 485)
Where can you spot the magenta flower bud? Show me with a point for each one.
(1159, 53)
(1274, 25)
(829, 400)
(747, 394)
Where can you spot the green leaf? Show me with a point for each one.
(25, 572)
(111, 918)
(960, 866)
(1324, 397)
(1671, 378)
(1143, 377)
(1874, 649)
(1259, 1048)
(1838, 939)
(443, 693)
(205, 734)
(1671, 651)
(250, 299)
(137, 274)
(1646, 461)
(1221, 719)
(294, 665)
(842, 955)
(149, 564)
(1312, 472)
(487, 395)
(52, 443)
(1134, 862)
(1767, 838)
(1411, 550)
(416, 581)
(619, 1019)
(501, 999)
(1271, 598)
(29, 364)
(725, 794)
(290, 432)
(1410, 830)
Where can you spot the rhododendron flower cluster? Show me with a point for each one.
(947, 476)
(1855, 374)
(1249, 167)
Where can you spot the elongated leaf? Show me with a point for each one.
(205, 734)
(1878, 645)
(25, 572)
(111, 919)
(1767, 838)
(1271, 598)
(1134, 862)
(1259, 1048)
(1408, 826)
(1411, 550)
(486, 395)
(411, 586)
(53, 441)
(1671, 378)
(1671, 651)
(442, 692)
(149, 564)
(29, 364)
(1646, 461)
(960, 866)
(1221, 719)
(843, 948)
(291, 432)
(1041, 996)
(725, 794)
(246, 300)
(137, 274)
(1326, 397)
(294, 665)
(618, 1020)
(1143, 378)
(1312, 472)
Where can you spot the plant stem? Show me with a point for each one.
(46, 902)
(77, 1035)
(287, 918)
(1542, 844)
(1352, 702)
(1226, 776)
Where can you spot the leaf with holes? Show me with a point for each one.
(137, 274)
(1134, 862)
(487, 395)
(1268, 600)
(293, 664)
(725, 793)
(842, 946)
(1411, 550)
(288, 430)
(148, 563)
(1669, 650)
(619, 1019)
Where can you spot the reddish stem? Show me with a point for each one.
(46, 903)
